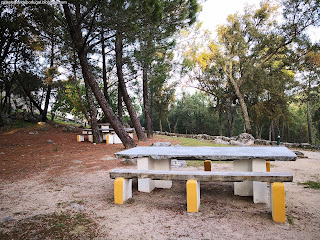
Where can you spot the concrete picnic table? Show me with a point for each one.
(105, 130)
(249, 159)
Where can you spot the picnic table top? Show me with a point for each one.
(210, 153)
(108, 130)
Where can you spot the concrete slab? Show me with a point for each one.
(210, 153)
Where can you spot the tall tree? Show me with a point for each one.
(123, 90)
(248, 43)
(16, 52)
(160, 20)
(115, 15)
(309, 66)
(75, 23)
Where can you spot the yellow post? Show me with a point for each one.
(268, 169)
(118, 190)
(107, 141)
(193, 196)
(78, 138)
(278, 207)
(268, 166)
(207, 165)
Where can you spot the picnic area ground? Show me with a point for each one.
(52, 187)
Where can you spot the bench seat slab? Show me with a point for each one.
(202, 175)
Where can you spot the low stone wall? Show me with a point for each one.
(235, 140)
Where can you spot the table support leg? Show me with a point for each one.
(146, 184)
(162, 165)
(243, 188)
(260, 190)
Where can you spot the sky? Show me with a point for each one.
(216, 12)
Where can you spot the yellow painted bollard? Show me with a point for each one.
(118, 190)
(80, 138)
(207, 165)
(193, 195)
(277, 202)
(107, 139)
(122, 190)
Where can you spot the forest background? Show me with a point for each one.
(134, 61)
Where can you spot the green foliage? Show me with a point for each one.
(192, 142)
(311, 184)
(193, 114)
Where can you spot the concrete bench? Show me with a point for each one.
(123, 184)
(80, 137)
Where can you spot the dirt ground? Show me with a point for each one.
(41, 177)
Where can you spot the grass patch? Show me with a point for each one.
(64, 225)
(200, 163)
(194, 163)
(15, 125)
(311, 184)
(191, 142)
(290, 220)
(67, 123)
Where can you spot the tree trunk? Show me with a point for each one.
(106, 108)
(120, 107)
(175, 126)
(83, 107)
(244, 109)
(229, 116)
(273, 137)
(30, 97)
(76, 35)
(288, 133)
(160, 124)
(169, 125)
(46, 105)
(93, 115)
(126, 97)
(146, 102)
(104, 69)
(220, 119)
(260, 131)
(48, 95)
(270, 132)
(309, 124)
(243, 105)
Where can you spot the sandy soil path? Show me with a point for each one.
(162, 213)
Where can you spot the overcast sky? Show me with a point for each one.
(216, 12)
